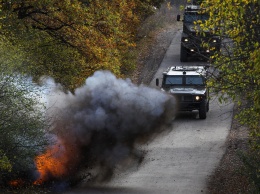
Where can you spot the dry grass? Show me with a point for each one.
(154, 37)
(230, 176)
(162, 17)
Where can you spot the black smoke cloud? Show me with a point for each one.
(102, 121)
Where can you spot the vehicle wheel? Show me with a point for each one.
(184, 54)
(203, 110)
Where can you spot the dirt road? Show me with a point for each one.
(182, 158)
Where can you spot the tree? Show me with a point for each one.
(22, 124)
(238, 24)
(71, 39)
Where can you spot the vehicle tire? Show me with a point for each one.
(184, 54)
(203, 110)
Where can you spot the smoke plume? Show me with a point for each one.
(98, 126)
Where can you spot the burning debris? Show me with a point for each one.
(96, 128)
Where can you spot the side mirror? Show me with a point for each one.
(157, 82)
(178, 17)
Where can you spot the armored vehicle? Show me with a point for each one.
(192, 40)
(188, 85)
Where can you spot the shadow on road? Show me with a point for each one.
(193, 115)
(108, 190)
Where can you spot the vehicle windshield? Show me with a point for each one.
(192, 17)
(184, 80)
(172, 80)
(194, 80)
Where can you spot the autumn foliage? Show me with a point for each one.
(71, 39)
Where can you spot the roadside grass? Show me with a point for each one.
(235, 172)
(29, 190)
(147, 35)
(251, 161)
(162, 17)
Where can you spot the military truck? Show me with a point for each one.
(192, 40)
(188, 85)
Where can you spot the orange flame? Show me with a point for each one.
(52, 164)
(17, 183)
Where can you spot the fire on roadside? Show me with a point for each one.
(16, 183)
(52, 164)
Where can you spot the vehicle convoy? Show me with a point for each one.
(188, 85)
(193, 42)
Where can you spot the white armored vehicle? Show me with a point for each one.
(188, 85)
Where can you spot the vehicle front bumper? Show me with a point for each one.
(187, 102)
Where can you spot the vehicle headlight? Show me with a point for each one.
(185, 39)
(197, 98)
(216, 39)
